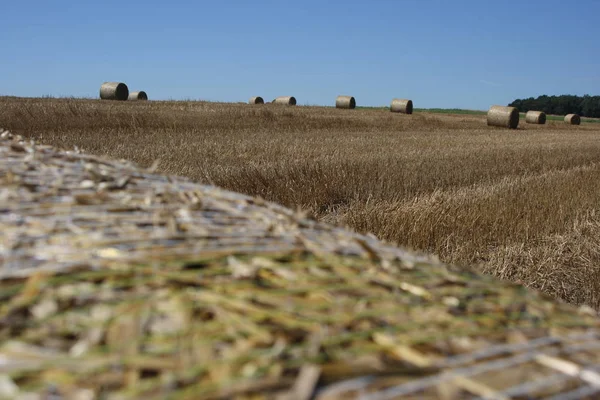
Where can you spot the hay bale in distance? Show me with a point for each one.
(535, 117)
(573, 119)
(347, 102)
(256, 100)
(285, 100)
(403, 106)
(138, 96)
(114, 91)
(505, 117)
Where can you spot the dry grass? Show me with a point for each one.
(521, 205)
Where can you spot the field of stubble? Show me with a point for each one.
(522, 205)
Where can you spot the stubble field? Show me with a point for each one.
(522, 205)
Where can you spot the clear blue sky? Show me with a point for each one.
(461, 53)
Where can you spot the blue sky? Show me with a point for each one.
(461, 53)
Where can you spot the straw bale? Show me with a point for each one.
(114, 91)
(285, 100)
(116, 282)
(573, 119)
(137, 96)
(347, 102)
(535, 117)
(256, 100)
(403, 106)
(506, 117)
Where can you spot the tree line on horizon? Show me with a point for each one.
(585, 106)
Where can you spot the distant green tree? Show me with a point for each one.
(586, 106)
(590, 106)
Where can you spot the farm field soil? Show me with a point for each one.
(522, 205)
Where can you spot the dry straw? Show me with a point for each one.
(573, 119)
(403, 106)
(223, 296)
(114, 91)
(506, 117)
(138, 96)
(535, 117)
(347, 102)
(256, 100)
(285, 100)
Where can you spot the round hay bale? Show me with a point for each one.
(535, 117)
(505, 117)
(114, 91)
(347, 102)
(285, 100)
(403, 106)
(256, 100)
(135, 96)
(573, 119)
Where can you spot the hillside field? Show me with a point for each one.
(522, 205)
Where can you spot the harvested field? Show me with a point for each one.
(116, 282)
(519, 204)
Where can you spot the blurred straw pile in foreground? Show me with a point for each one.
(119, 283)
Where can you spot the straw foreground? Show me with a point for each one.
(116, 282)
